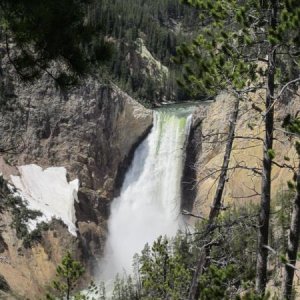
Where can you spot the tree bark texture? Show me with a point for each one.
(293, 242)
(264, 215)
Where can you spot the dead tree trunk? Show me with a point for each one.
(217, 202)
(293, 242)
(264, 215)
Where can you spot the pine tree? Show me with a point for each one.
(242, 48)
(68, 274)
(38, 33)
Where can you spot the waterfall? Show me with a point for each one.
(150, 198)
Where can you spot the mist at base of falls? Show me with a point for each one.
(150, 198)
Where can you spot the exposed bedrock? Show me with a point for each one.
(207, 145)
(91, 130)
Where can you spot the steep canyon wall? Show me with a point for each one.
(210, 128)
(91, 130)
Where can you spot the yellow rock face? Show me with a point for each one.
(243, 185)
(29, 271)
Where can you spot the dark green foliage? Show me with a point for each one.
(234, 230)
(155, 19)
(49, 31)
(155, 22)
(271, 153)
(21, 215)
(291, 124)
(35, 236)
(68, 274)
(65, 286)
(243, 47)
(164, 270)
(76, 32)
(229, 52)
(214, 283)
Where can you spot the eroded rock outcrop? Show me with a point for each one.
(91, 130)
(27, 272)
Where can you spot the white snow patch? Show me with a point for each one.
(49, 192)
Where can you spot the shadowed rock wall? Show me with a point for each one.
(91, 130)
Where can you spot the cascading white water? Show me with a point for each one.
(149, 203)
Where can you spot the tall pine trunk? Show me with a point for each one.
(264, 215)
(293, 241)
(217, 202)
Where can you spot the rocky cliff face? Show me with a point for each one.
(91, 130)
(211, 124)
(27, 272)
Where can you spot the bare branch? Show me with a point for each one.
(288, 132)
(284, 166)
(245, 197)
(287, 85)
(186, 213)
